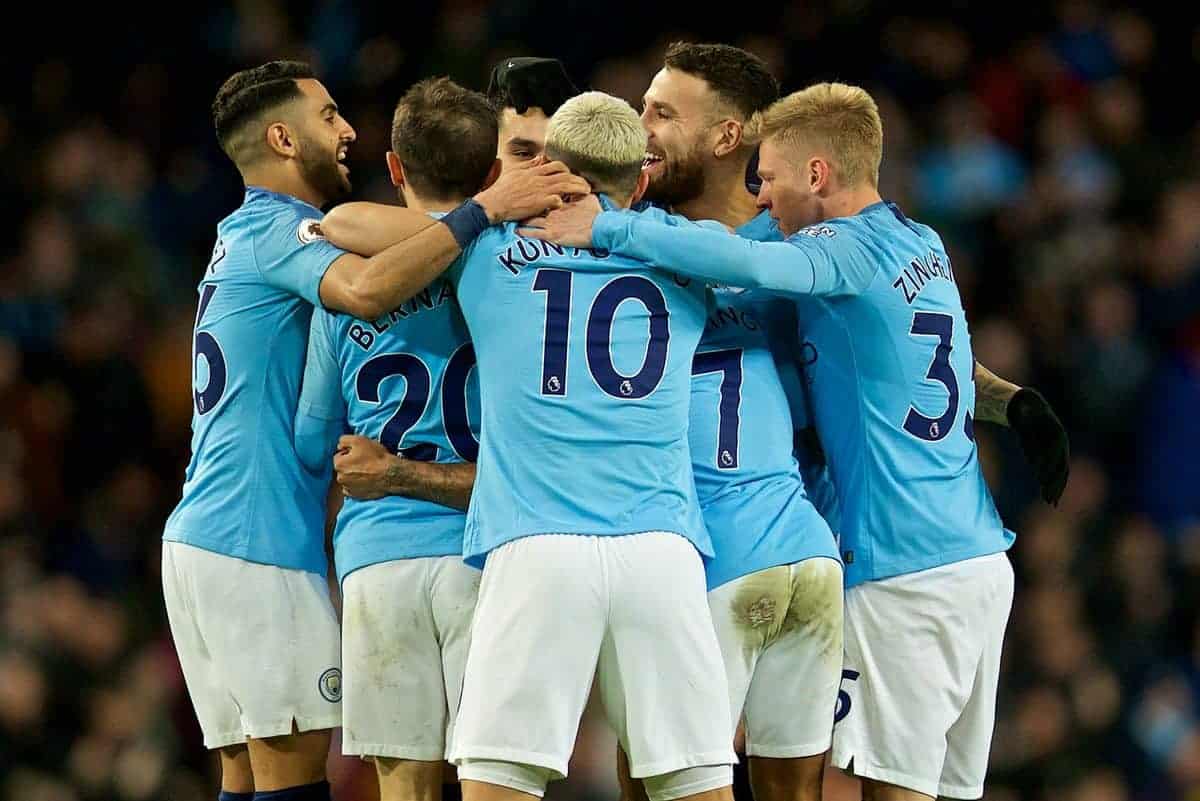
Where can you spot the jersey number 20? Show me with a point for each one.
(418, 387)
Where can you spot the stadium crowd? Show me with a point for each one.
(1051, 149)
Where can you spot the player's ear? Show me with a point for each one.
(640, 189)
(280, 140)
(493, 174)
(818, 174)
(395, 169)
(729, 138)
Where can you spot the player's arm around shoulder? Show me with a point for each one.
(371, 228)
(375, 285)
(404, 251)
(841, 260)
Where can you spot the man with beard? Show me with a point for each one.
(929, 583)
(584, 504)
(775, 586)
(243, 555)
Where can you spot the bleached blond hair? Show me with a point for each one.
(601, 138)
(837, 119)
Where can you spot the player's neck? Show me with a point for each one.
(418, 203)
(725, 199)
(283, 182)
(851, 201)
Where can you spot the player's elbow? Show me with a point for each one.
(351, 294)
(337, 227)
(364, 305)
(310, 455)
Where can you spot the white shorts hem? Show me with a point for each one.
(532, 758)
(961, 791)
(789, 752)
(354, 748)
(261, 731)
(642, 770)
(224, 739)
(864, 768)
(699, 786)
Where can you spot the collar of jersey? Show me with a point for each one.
(882, 205)
(886, 206)
(254, 192)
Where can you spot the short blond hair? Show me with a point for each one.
(601, 138)
(837, 118)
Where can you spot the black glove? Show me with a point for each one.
(1044, 441)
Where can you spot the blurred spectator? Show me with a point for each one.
(1050, 147)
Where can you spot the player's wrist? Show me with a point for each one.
(604, 228)
(396, 475)
(468, 220)
(492, 203)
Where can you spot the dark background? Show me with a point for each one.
(1055, 149)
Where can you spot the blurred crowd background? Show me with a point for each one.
(1056, 148)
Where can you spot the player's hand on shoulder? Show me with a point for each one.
(361, 466)
(569, 225)
(529, 189)
(1043, 439)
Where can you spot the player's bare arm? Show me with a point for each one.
(370, 287)
(992, 394)
(404, 250)
(521, 191)
(367, 471)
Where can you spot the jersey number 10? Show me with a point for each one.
(557, 286)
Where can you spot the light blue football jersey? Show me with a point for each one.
(585, 374)
(779, 318)
(740, 432)
(245, 493)
(891, 378)
(407, 380)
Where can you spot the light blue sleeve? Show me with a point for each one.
(655, 214)
(321, 413)
(822, 260)
(293, 256)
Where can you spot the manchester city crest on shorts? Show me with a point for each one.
(330, 685)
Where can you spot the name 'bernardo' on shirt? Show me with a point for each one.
(428, 299)
(919, 272)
